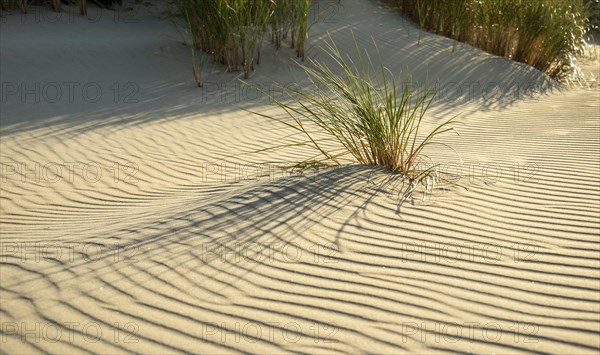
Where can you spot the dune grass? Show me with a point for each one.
(232, 31)
(546, 34)
(362, 115)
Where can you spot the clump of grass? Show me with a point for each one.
(232, 31)
(361, 115)
(289, 18)
(546, 34)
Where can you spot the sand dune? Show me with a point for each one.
(148, 222)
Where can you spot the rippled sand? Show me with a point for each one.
(138, 214)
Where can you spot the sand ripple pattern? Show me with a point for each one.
(163, 240)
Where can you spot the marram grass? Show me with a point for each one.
(362, 114)
(232, 31)
(546, 34)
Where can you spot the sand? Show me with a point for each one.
(138, 214)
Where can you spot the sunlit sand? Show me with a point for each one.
(142, 214)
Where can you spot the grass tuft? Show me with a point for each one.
(232, 31)
(546, 34)
(362, 115)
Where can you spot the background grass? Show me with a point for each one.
(546, 34)
(232, 31)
